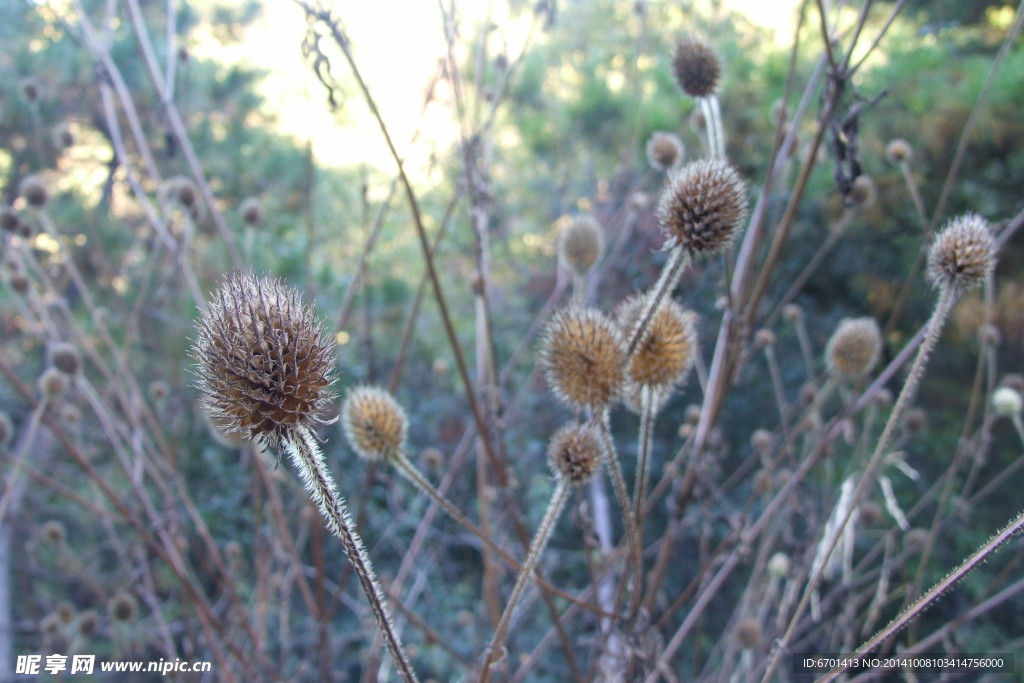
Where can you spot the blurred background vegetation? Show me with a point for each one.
(568, 136)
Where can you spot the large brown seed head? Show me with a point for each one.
(584, 358)
(702, 206)
(696, 66)
(962, 255)
(265, 363)
(575, 453)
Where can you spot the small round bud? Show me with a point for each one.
(761, 440)
(88, 621)
(122, 607)
(583, 358)
(692, 414)
(30, 89)
(914, 420)
(696, 67)
(66, 612)
(34, 191)
(53, 532)
(581, 243)
(862, 192)
(792, 312)
(962, 254)
(748, 633)
(915, 538)
(63, 138)
(778, 565)
(854, 347)
(899, 151)
(52, 382)
(764, 337)
(374, 424)
(9, 219)
(988, 335)
(433, 458)
(65, 358)
(1006, 402)
(575, 453)
(702, 206)
(638, 201)
(664, 151)
(251, 209)
(159, 390)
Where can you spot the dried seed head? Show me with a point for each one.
(251, 209)
(65, 612)
(265, 364)
(122, 606)
(30, 89)
(34, 191)
(664, 151)
(374, 424)
(1007, 402)
(433, 458)
(581, 243)
(183, 192)
(584, 358)
(52, 382)
(667, 348)
(62, 136)
(764, 337)
(575, 453)
(761, 440)
(792, 312)
(87, 622)
(65, 358)
(70, 414)
(899, 151)
(53, 532)
(962, 254)
(159, 390)
(697, 67)
(702, 206)
(748, 633)
(862, 192)
(854, 347)
(778, 565)
(9, 219)
(6, 429)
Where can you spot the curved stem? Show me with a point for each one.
(305, 454)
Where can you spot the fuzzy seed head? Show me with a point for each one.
(374, 424)
(87, 622)
(584, 358)
(9, 219)
(53, 532)
(29, 89)
(265, 364)
(854, 347)
(122, 607)
(962, 254)
(251, 210)
(702, 206)
(34, 191)
(664, 151)
(1006, 402)
(667, 348)
(696, 66)
(899, 151)
(52, 382)
(581, 243)
(575, 453)
(862, 192)
(748, 633)
(65, 358)
(778, 565)
(63, 137)
(19, 283)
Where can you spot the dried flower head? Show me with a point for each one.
(87, 622)
(575, 453)
(122, 607)
(748, 633)
(962, 254)
(30, 89)
(9, 219)
(52, 382)
(19, 283)
(667, 348)
(65, 612)
(697, 67)
(374, 424)
(1006, 402)
(34, 191)
(702, 206)
(251, 209)
(854, 347)
(265, 364)
(53, 532)
(792, 312)
(65, 358)
(584, 358)
(62, 136)
(862, 192)
(899, 151)
(181, 191)
(581, 243)
(664, 151)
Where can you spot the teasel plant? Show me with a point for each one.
(265, 369)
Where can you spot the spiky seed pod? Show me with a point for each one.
(862, 192)
(748, 633)
(34, 191)
(696, 66)
(702, 206)
(962, 255)
(1006, 401)
(374, 424)
(52, 382)
(251, 209)
(575, 453)
(899, 151)
(87, 622)
(6, 429)
(53, 532)
(584, 358)
(122, 607)
(854, 347)
(65, 358)
(30, 89)
(9, 219)
(265, 363)
(667, 348)
(581, 243)
(664, 151)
